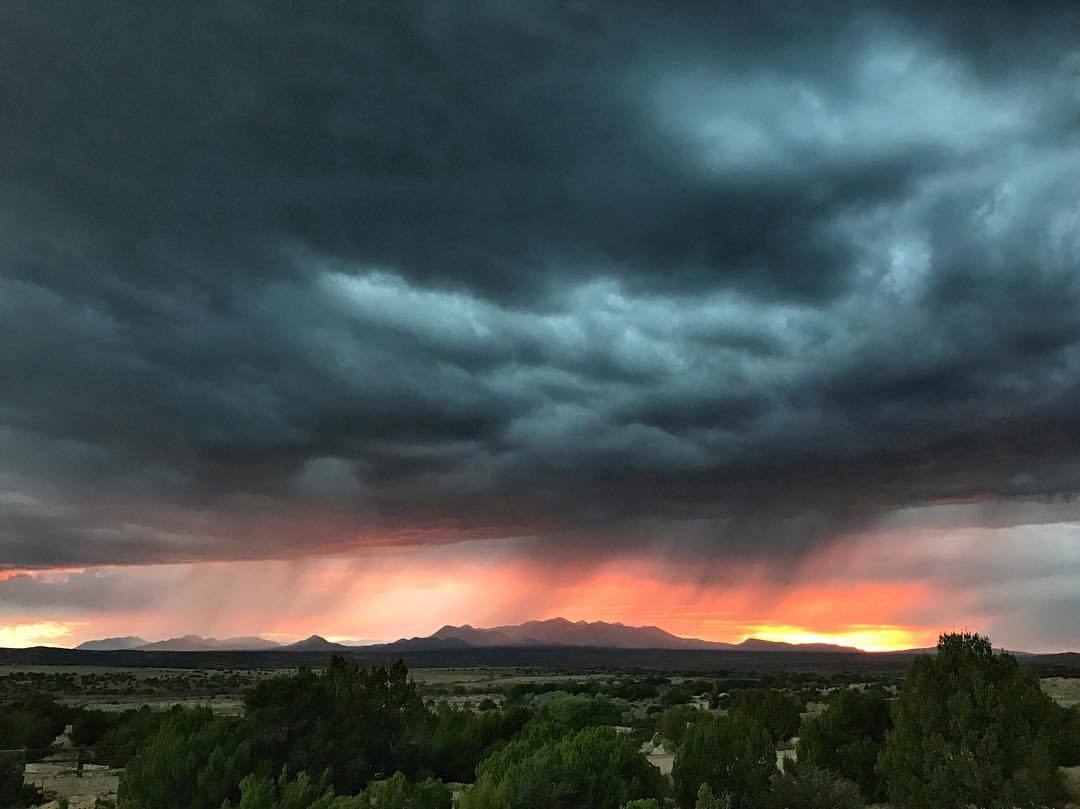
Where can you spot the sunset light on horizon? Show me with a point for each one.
(861, 591)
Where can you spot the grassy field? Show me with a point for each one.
(1063, 690)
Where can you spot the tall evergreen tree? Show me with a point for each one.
(733, 755)
(970, 728)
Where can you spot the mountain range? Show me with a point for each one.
(551, 632)
(600, 634)
(197, 643)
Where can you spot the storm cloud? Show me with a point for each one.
(277, 281)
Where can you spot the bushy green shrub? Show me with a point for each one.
(596, 768)
(302, 792)
(801, 786)
(846, 738)
(971, 728)
(194, 761)
(672, 723)
(733, 755)
(352, 723)
(455, 740)
(643, 803)
(780, 713)
(707, 800)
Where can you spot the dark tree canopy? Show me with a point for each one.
(971, 728)
(846, 737)
(302, 792)
(802, 786)
(780, 713)
(732, 754)
(310, 739)
(673, 722)
(597, 768)
(353, 723)
(194, 761)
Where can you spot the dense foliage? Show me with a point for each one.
(597, 768)
(27, 728)
(846, 738)
(317, 737)
(780, 713)
(353, 723)
(643, 803)
(673, 722)
(398, 792)
(13, 794)
(455, 740)
(578, 713)
(194, 761)
(971, 728)
(802, 786)
(707, 800)
(733, 755)
(31, 722)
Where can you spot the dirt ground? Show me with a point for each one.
(222, 706)
(1063, 690)
(60, 779)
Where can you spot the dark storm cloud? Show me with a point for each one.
(277, 280)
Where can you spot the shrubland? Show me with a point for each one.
(966, 727)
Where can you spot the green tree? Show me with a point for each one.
(302, 792)
(194, 761)
(596, 768)
(262, 792)
(970, 728)
(707, 800)
(88, 727)
(672, 723)
(846, 738)
(33, 722)
(127, 733)
(578, 712)
(1065, 738)
(13, 793)
(401, 793)
(732, 754)
(354, 724)
(805, 787)
(455, 740)
(780, 713)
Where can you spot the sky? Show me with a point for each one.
(360, 319)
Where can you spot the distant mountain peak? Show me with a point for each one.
(112, 644)
(182, 643)
(316, 643)
(559, 631)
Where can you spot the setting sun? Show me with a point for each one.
(867, 638)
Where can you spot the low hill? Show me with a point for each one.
(760, 645)
(112, 644)
(197, 643)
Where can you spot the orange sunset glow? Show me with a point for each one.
(381, 595)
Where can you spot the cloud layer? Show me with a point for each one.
(709, 281)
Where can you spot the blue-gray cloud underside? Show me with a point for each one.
(276, 280)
